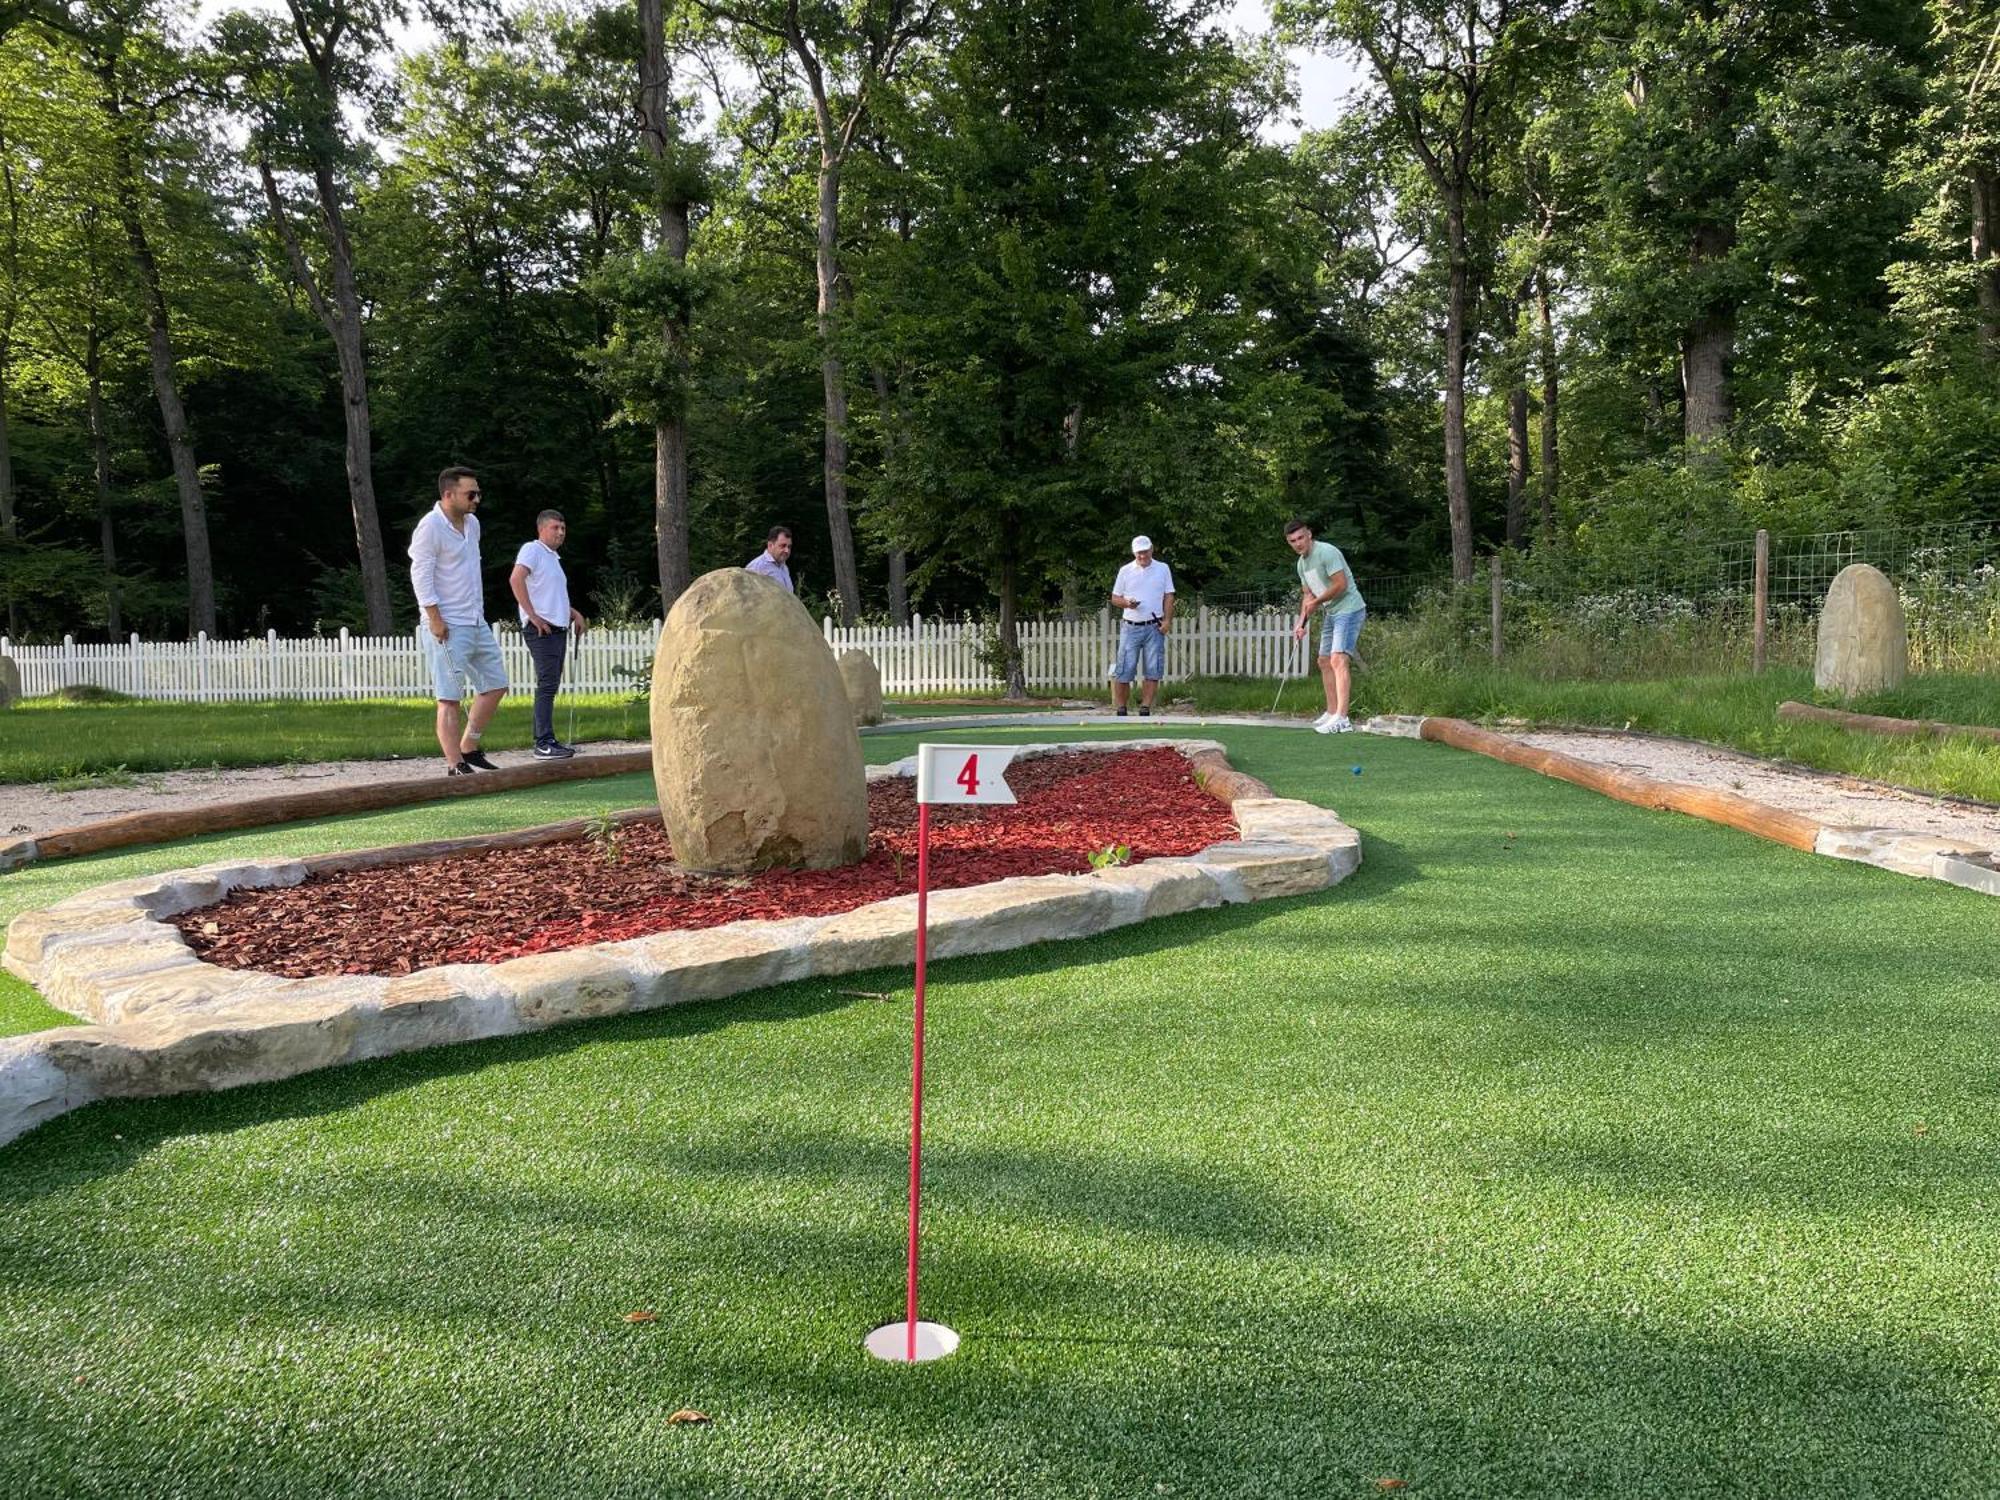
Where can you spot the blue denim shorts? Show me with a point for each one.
(468, 653)
(1340, 632)
(1142, 651)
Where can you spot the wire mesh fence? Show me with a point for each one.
(1683, 607)
(1697, 609)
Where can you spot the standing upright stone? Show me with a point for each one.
(864, 685)
(754, 751)
(1863, 646)
(10, 682)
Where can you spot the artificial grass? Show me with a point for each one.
(1734, 711)
(1566, 1148)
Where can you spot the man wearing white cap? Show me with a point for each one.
(1144, 590)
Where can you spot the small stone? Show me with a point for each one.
(863, 681)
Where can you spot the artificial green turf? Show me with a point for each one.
(1565, 1149)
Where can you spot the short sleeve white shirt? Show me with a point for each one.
(444, 568)
(1149, 586)
(548, 587)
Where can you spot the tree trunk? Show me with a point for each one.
(1550, 452)
(899, 567)
(345, 327)
(670, 443)
(9, 526)
(899, 587)
(1985, 265)
(360, 458)
(1010, 630)
(160, 350)
(100, 452)
(1457, 485)
(1706, 347)
(1517, 464)
(840, 530)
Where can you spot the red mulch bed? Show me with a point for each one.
(504, 903)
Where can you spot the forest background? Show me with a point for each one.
(968, 291)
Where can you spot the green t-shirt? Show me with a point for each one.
(1316, 570)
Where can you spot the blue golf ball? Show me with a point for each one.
(1357, 770)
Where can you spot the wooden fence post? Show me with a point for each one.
(1761, 601)
(1493, 573)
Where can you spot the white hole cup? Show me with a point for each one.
(891, 1342)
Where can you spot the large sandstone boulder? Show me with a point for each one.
(10, 682)
(1863, 647)
(863, 680)
(754, 750)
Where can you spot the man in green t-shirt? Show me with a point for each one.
(1327, 585)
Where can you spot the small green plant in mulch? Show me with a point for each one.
(605, 835)
(1110, 857)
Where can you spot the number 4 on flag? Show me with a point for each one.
(963, 773)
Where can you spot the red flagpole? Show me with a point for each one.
(917, 1067)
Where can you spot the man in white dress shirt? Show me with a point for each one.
(1144, 590)
(541, 589)
(444, 572)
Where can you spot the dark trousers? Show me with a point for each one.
(547, 652)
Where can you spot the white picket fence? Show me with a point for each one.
(924, 657)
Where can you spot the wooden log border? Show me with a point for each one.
(1775, 823)
(167, 824)
(1879, 723)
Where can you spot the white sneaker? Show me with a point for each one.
(1343, 725)
(1322, 723)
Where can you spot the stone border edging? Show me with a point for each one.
(166, 1022)
(1926, 856)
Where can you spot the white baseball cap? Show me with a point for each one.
(1141, 544)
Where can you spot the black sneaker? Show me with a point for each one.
(1121, 713)
(554, 750)
(1145, 713)
(463, 768)
(477, 759)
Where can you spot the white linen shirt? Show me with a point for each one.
(444, 568)
(1150, 585)
(548, 586)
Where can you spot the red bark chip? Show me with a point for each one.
(508, 902)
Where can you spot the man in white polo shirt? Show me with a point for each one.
(1144, 590)
(444, 571)
(542, 591)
